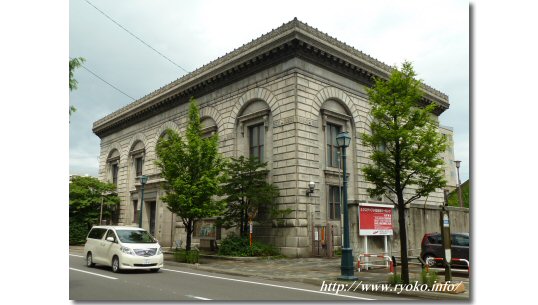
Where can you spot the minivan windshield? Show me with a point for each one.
(135, 237)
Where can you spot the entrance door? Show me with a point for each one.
(152, 205)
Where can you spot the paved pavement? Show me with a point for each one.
(311, 271)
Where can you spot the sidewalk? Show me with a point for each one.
(313, 271)
(307, 270)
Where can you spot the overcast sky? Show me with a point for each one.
(434, 35)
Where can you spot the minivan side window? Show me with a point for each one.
(110, 233)
(96, 233)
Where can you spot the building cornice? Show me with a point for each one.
(292, 39)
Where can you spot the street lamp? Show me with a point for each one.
(143, 180)
(460, 198)
(346, 266)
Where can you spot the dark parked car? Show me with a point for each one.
(432, 246)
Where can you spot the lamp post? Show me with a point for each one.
(346, 266)
(101, 212)
(143, 180)
(460, 198)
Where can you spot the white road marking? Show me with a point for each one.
(76, 255)
(105, 276)
(199, 298)
(271, 285)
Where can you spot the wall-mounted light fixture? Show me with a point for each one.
(310, 189)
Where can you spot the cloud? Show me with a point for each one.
(434, 36)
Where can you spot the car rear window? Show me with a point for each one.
(434, 239)
(96, 233)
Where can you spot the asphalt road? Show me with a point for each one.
(177, 283)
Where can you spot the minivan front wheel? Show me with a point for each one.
(89, 260)
(115, 264)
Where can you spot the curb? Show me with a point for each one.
(229, 258)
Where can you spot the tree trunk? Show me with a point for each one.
(241, 225)
(403, 240)
(189, 229)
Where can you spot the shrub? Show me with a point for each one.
(184, 256)
(77, 232)
(395, 279)
(236, 246)
(338, 252)
(428, 277)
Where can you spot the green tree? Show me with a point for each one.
(73, 84)
(247, 192)
(85, 197)
(194, 173)
(453, 199)
(405, 144)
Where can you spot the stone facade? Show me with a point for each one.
(448, 156)
(296, 84)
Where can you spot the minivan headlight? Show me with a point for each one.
(160, 251)
(127, 250)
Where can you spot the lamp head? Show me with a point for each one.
(343, 139)
(143, 179)
(311, 187)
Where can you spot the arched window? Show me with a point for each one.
(209, 126)
(254, 121)
(113, 165)
(137, 154)
(335, 119)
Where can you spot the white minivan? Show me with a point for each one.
(123, 248)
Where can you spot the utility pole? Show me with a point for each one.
(447, 244)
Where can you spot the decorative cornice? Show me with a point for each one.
(248, 55)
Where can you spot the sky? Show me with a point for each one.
(433, 35)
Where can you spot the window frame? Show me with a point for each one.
(331, 152)
(245, 122)
(335, 119)
(256, 134)
(334, 204)
(114, 170)
(139, 160)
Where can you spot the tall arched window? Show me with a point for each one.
(253, 126)
(137, 154)
(335, 119)
(113, 166)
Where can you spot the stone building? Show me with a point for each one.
(283, 97)
(448, 156)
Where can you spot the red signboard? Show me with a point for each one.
(375, 220)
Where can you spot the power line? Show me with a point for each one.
(139, 39)
(99, 77)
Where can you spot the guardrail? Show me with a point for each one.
(453, 260)
(384, 256)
